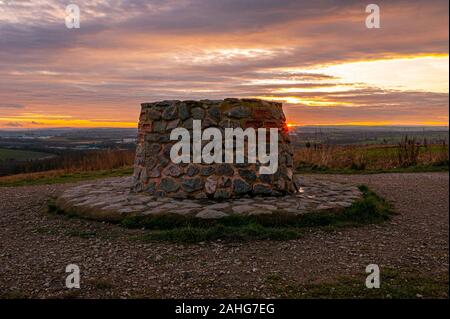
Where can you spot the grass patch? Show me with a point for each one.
(251, 231)
(393, 284)
(57, 177)
(277, 226)
(408, 155)
(102, 284)
(314, 169)
(7, 154)
(45, 231)
(53, 209)
(13, 294)
(81, 234)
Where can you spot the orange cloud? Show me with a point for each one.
(316, 56)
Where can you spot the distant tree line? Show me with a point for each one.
(71, 161)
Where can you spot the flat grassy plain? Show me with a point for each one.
(409, 156)
(61, 176)
(406, 157)
(20, 155)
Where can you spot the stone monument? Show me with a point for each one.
(156, 174)
(202, 189)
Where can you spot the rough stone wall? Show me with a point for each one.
(155, 173)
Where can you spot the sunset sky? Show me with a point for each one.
(317, 57)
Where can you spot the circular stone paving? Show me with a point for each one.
(112, 200)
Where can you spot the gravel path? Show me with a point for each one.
(35, 248)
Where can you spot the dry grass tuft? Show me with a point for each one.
(408, 153)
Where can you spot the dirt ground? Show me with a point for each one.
(36, 247)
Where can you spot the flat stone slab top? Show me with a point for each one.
(111, 200)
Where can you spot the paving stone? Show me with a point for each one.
(344, 204)
(153, 204)
(169, 206)
(210, 214)
(240, 209)
(190, 205)
(113, 198)
(324, 207)
(138, 208)
(184, 211)
(260, 212)
(269, 207)
(112, 207)
(219, 206)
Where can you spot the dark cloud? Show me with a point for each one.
(374, 106)
(131, 51)
(13, 124)
(11, 106)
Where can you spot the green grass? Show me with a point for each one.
(81, 234)
(43, 178)
(20, 155)
(441, 167)
(13, 294)
(251, 231)
(370, 159)
(394, 284)
(277, 226)
(102, 284)
(75, 231)
(381, 152)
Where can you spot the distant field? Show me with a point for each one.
(21, 155)
(372, 158)
(61, 176)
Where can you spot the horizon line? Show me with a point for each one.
(289, 125)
